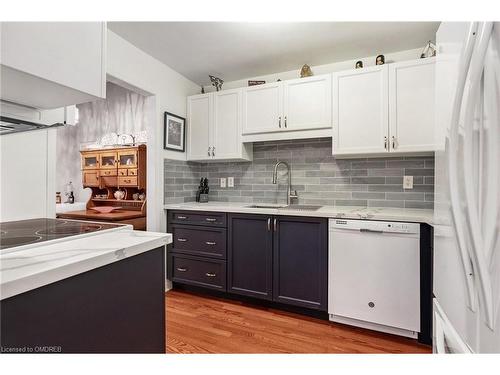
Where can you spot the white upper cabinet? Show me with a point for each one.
(411, 106)
(360, 111)
(199, 114)
(308, 103)
(226, 133)
(49, 65)
(214, 127)
(262, 108)
(289, 109)
(381, 109)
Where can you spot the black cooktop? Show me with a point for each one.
(26, 232)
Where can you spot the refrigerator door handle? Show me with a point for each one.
(452, 151)
(471, 198)
(491, 216)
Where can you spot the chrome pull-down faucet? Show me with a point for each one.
(289, 194)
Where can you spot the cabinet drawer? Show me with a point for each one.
(108, 172)
(132, 172)
(127, 181)
(122, 172)
(209, 242)
(199, 271)
(217, 219)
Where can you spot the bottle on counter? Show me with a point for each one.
(71, 198)
(58, 197)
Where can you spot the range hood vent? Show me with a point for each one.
(9, 125)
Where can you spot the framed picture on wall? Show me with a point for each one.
(174, 136)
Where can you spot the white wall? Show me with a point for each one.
(27, 182)
(323, 69)
(132, 68)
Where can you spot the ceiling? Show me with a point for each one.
(233, 51)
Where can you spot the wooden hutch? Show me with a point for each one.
(107, 170)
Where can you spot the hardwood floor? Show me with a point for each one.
(199, 324)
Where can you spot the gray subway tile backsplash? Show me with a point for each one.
(316, 175)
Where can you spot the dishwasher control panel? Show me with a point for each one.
(375, 226)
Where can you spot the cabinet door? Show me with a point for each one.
(90, 178)
(308, 103)
(250, 257)
(46, 52)
(127, 159)
(262, 108)
(90, 160)
(108, 160)
(360, 121)
(301, 262)
(200, 122)
(411, 105)
(226, 133)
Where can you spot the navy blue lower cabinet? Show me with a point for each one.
(250, 255)
(300, 265)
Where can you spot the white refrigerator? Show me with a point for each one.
(466, 281)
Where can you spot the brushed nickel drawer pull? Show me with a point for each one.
(182, 269)
(269, 224)
(210, 219)
(182, 239)
(211, 274)
(275, 224)
(182, 217)
(210, 243)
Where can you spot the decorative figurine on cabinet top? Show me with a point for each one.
(306, 71)
(429, 50)
(359, 64)
(380, 60)
(216, 82)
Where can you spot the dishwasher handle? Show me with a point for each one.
(371, 230)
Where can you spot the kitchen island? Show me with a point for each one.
(94, 293)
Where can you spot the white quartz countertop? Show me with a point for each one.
(344, 212)
(29, 268)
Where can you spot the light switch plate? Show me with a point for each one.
(230, 182)
(223, 182)
(407, 182)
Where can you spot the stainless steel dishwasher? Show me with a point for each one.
(374, 275)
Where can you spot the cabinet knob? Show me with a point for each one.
(182, 217)
(213, 151)
(208, 153)
(210, 219)
(285, 121)
(385, 143)
(210, 274)
(279, 122)
(275, 224)
(211, 243)
(269, 224)
(182, 269)
(182, 239)
(393, 142)
(371, 304)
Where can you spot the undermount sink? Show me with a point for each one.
(267, 205)
(302, 207)
(297, 207)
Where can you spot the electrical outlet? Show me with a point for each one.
(408, 182)
(223, 182)
(230, 182)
